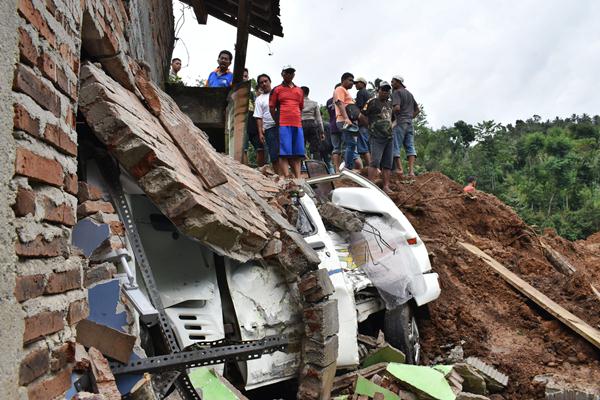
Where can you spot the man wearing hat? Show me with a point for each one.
(286, 104)
(362, 141)
(405, 109)
(377, 113)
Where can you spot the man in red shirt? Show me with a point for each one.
(286, 104)
(471, 184)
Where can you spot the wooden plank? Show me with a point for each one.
(589, 333)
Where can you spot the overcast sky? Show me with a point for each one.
(462, 59)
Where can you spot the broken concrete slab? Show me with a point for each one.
(109, 341)
(473, 381)
(387, 353)
(211, 385)
(495, 380)
(365, 387)
(424, 381)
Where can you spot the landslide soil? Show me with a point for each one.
(477, 307)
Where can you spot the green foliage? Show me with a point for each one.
(549, 172)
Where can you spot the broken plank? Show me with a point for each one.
(572, 321)
(109, 341)
(557, 260)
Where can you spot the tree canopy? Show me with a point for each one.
(548, 171)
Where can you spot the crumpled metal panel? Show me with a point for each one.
(266, 303)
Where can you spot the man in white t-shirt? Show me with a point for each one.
(267, 131)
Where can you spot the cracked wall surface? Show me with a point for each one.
(11, 318)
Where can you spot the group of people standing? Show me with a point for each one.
(284, 121)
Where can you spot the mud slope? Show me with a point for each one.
(476, 306)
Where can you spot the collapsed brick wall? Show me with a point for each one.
(51, 276)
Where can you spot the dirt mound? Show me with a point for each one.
(477, 307)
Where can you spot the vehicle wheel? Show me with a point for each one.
(401, 331)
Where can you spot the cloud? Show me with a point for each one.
(462, 59)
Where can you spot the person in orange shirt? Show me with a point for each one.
(344, 122)
(471, 184)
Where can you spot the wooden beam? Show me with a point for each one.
(241, 43)
(586, 331)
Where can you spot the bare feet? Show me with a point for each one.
(387, 190)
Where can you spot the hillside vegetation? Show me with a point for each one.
(548, 171)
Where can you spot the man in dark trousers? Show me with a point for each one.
(405, 109)
(377, 114)
(312, 124)
(362, 141)
(285, 104)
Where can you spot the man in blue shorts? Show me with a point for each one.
(285, 104)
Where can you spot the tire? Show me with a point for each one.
(401, 331)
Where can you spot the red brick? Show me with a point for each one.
(71, 116)
(99, 273)
(27, 50)
(22, 120)
(55, 135)
(39, 247)
(34, 365)
(60, 282)
(28, 287)
(78, 310)
(70, 183)
(35, 18)
(93, 206)
(42, 324)
(117, 228)
(38, 168)
(52, 387)
(47, 66)
(62, 356)
(65, 85)
(87, 191)
(69, 58)
(25, 202)
(28, 82)
(62, 213)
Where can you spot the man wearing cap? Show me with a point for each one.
(362, 141)
(222, 76)
(342, 99)
(377, 113)
(405, 109)
(285, 104)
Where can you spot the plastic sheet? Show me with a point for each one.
(382, 252)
